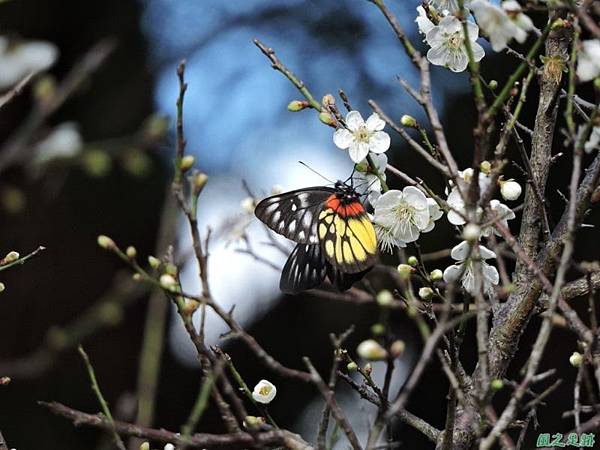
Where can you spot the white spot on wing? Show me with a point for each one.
(301, 235)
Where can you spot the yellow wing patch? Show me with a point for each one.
(349, 242)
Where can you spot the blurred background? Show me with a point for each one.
(99, 162)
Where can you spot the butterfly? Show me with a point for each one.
(334, 236)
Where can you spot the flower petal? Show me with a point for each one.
(358, 151)
(452, 273)
(379, 142)
(375, 123)
(342, 138)
(354, 120)
(461, 251)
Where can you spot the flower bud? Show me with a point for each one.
(327, 119)
(44, 88)
(553, 68)
(597, 83)
(168, 281)
(276, 189)
(352, 367)
(145, 446)
(385, 298)
(297, 105)
(171, 269)
(169, 446)
(510, 190)
(371, 350)
(131, 252)
(493, 84)
(413, 261)
(200, 180)
(405, 271)
(397, 348)
(248, 205)
(154, 262)
(253, 422)
(2, 287)
(471, 232)
(328, 100)
(426, 293)
(485, 167)
(137, 277)
(191, 306)
(4, 381)
(408, 121)
(96, 162)
(368, 369)
(436, 275)
(496, 384)
(378, 329)
(106, 242)
(111, 313)
(11, 256)
(186, 163)
(576, 359)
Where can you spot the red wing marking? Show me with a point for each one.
(350, 210)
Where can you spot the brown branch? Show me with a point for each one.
(230, 441)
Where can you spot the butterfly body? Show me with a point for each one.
(334, 235)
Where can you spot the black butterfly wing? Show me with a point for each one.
(343, 280)
(304, 269)
(295, 214)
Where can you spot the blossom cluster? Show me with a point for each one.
(450, 42)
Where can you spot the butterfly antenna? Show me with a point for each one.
(314, 171)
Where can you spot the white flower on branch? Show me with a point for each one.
(593, 141)
(502, 213)
(465, 269)
(423, 23)
(510, 190)
(362, 137)
(264, 392)
(588, 61)
(19, 59)
(365, 180)
(371, 350)
(516, 14)
(455, 199)
(449, 5)
(498, 25)
(63, 142)
(447, 43)
(401, 216)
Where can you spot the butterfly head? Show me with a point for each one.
(345, 192)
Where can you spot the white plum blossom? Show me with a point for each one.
(593, 141)
(458, 211)
(371, 350)
(464, 266)
(423, 22)
(510, 190)
(19, 59)
(588, 60)
(169, 446)
(516, 14)
(451, 6)
(503, 213)
(264, 392)
(365, 180)
(455, 200)
(362, 137)
(63, 142)
(401, 216)
(434, 214)
(497, 24)
(447, 44)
